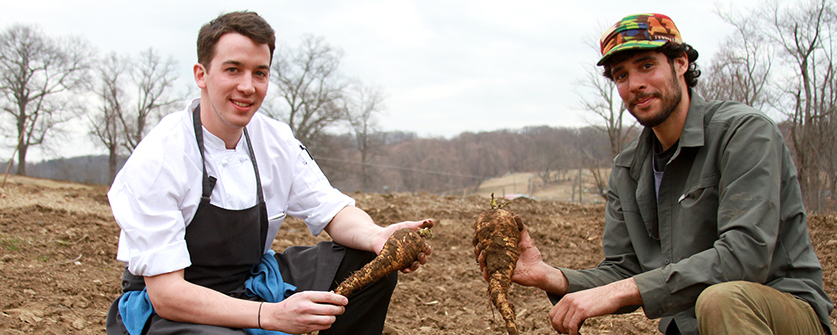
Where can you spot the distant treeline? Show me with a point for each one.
(404, 162)
(83, 169)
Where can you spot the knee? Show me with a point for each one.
(715, 298)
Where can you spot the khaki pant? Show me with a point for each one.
(749, 308)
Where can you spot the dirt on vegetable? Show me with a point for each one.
(401, 251)
(496, 235)
(59, 274)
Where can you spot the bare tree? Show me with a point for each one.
(311, 87)
(805, 35)
(741, 71)
(593, 156)
(154, 78)
(599, 96)
(37, 75)
(546, 147)
(106, 125)
(120, 125)
(362, 106)
(608, 106)
(484, 155)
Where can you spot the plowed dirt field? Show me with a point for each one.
(59, 275)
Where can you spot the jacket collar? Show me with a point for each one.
(692, 136)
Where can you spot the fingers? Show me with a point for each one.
(427, 223)
(567, 325)
(558, 315)
(320, 297)
(413, 267)
(326, 306)
(320, 322)
(481, 259)
(422, 259)
(524, 235)
(481, 262)
(305, 312)
(566, 318)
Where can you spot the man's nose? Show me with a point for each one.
(637, 83)
(246, 85)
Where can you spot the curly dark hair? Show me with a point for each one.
(245, 23)
(671, 51)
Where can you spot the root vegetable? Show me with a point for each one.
(400, 251)
(497, 235)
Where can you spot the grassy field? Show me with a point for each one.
(531, 185)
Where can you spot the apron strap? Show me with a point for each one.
(208, 182)
(259, 191)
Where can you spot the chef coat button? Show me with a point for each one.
(224, 162)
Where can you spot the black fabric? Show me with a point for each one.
(367, 309)
(365, 314)
(672, 328)
(311, 268)
(224, 244)
(160, 326)
(323, 267)
(208, 182)
(662, 158)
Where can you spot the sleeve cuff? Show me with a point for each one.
(169, 258)
(574, 277)
(654, 292)
(321, 218)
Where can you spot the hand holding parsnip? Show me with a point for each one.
(401, 251)
(497, 234)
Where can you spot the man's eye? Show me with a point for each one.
(232, 69)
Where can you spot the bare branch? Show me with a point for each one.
(37, 76)
(310, 87)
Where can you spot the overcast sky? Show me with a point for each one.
(446, 67)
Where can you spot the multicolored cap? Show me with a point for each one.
(639, 31)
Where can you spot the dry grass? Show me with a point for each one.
(529, 184)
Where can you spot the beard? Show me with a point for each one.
(668, 103)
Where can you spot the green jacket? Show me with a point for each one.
(729, 209)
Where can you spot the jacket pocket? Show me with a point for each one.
(696, 217)
(706, 189)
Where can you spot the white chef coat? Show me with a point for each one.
(157, 192)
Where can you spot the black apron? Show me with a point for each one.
(224, 244)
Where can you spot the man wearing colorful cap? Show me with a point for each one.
(705, 226)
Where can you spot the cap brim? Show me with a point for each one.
(631, 45)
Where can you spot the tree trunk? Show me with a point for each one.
(22, 148)
(580, 186)
(112, 159)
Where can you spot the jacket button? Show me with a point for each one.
(667, 261)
